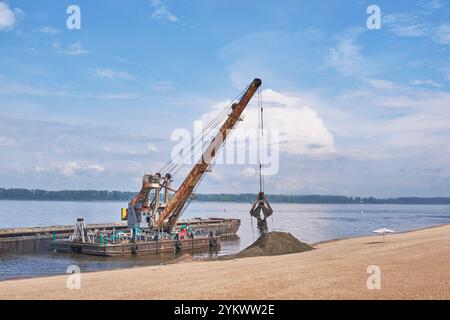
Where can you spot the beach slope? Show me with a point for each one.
(414, 265)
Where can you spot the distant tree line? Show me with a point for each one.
(278, 198)
(103, 195)
(64, 195)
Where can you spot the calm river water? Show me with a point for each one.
(308, 222)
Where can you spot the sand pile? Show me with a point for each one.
(272, 244)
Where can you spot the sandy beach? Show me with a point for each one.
(414, 265)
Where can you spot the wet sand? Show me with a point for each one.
(414, 265)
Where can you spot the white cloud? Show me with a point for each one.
(381, 84)
(161, 12)
(54, 155)
(73, 50)
(383, 119)
(151, 147)
(8, 87)
(48, 30)
(6, 141)
(8, 16)
(432, 4)
(429, 83)
(346, 56)
(441, 34)
(161, 86)
(116, 96)
(71, 168)
(405, 25)
(111, 74)
(96, 167)
(301, 130)
(413, 30)
(249, 172)
(410, 25)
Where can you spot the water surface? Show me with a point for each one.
(308, 222)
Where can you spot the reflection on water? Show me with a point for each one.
(308, 222)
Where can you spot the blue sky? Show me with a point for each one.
(95, 108)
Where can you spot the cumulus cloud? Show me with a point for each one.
(302, 131)
(300, 128)
(8, 16)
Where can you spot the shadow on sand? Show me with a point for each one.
(375, 242)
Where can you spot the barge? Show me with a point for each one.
(39, 239)
(151, 247)
(135, 241)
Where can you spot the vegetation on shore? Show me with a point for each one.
(103, 195)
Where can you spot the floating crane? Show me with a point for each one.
(148, 211)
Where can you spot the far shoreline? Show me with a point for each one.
(23, 194)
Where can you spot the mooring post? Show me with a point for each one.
(134, 247)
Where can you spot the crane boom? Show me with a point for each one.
(175, 206)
